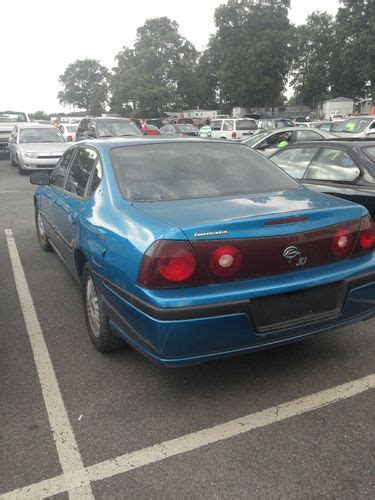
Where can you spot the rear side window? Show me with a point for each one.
(216, 125)
(228, 125)
(308, 135)
(57, 177)
(295, 160)
(80, 171)
(333, 165)
(174, 171)
(246, 125)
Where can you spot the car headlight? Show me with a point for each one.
(27, 154)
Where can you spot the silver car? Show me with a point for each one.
(34, 146)
(357, 127)
(270, 141)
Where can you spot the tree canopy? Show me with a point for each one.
(85, 85)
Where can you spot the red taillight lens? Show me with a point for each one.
(170, 264)
(234, 135)
(178, 267)
(69, 138)
(342, 242)
(225, 261)
(366, 240)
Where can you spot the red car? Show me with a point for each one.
(148, 129)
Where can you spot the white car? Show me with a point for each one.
(68, 130)
(357, 127)
(233, 128)
(34, 146)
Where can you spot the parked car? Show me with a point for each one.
(301, 120)
(156, 122)
(269, 141)
(233, 128)
(34, 146)
(68, 130)
(190, 250)
(184, 129)
(182, 121)
(357, 126)
(271, 123)
(92, 128)
(8, 120)
(149, 129)
(344, 169)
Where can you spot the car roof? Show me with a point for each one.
(356, 144)
(34, 125)
(144, 139)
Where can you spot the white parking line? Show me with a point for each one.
(193, 441)
(62, 431)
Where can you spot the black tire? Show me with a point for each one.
(21, 171)
(41, 234)
(101, 336)
(12, 162)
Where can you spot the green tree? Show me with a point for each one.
(353, 60)
(158, 72)
(85, 86)
(313, 47)
(39, 115)
(252, 47)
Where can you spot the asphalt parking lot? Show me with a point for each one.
(296, 421)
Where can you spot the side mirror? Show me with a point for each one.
(41, 178)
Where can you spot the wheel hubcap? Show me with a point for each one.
(92, 304)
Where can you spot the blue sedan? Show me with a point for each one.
(191, 250)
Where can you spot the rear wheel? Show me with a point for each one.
(41, 232)
(100, 333)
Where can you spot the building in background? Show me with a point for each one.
(337, 106)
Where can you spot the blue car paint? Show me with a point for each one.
(112, 234)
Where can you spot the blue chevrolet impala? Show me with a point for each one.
(190, 250)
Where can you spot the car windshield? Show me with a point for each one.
(117, 128)
(71, 128)
(40, 135)
(186, 127)
(255, 138)
(174, 171)
(11, 117)
(353, 125)
(246, 125)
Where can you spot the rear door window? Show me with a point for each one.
(295, 160)
(246, 125)
(333, 165)
(228, 125)
(216, 125)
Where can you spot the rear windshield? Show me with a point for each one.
(370, 153)
(117, 128)
(11, 117)
(246, 125)
(353, 125)
(187, 127)
(174, 171)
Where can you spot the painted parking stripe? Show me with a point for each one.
(62, 431)
(195, 440)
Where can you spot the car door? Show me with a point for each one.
(52, 192)
(336, 172)
(69, 202)
(216, 128)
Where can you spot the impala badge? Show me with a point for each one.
(292, 254)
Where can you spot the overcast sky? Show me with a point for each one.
(39, 38)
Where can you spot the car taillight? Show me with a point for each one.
(170, 264)
(69, 138)
(366, 240)
(234, 135)
(225, 261)
(342, 242)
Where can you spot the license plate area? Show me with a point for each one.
(286, 310)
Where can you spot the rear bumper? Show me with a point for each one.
(193, 334)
